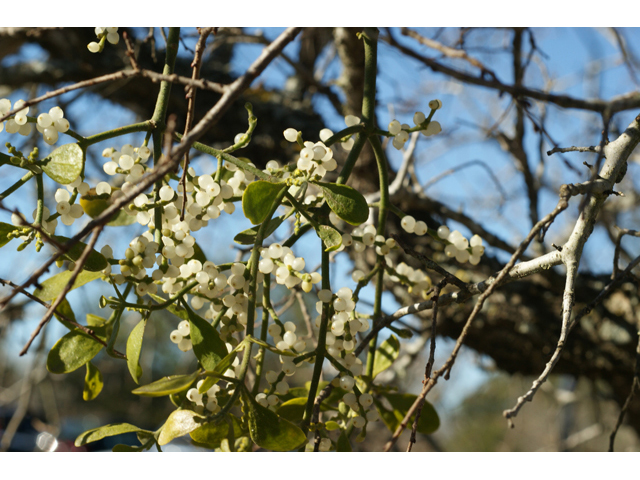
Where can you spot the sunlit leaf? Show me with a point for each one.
(179, 423)
(93, 383)
(52, 286)
(71, 352)
(248, 237)
(65, 164)
(94, 204)
(210, 434)
(270, 431)
(95, 261)
(258, 198)
(167, 385)
(346, 202)
(99, 433)
(134, 347)
(386, 354)
(330, 236)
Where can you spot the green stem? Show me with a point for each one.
(361, 139)
(266, 300)
(162, 102)
(254, 260)
(321, 348)
(382, 219)
(40, 202)
(116, 132)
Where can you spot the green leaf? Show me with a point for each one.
(92, 383)
(210, 434)
(95, 261)
(346, 202)
(172, 307)
(99, 433)
(65, 309)
(386, 354)
(248, 237)
(293, 409)
(65, 163)
(5, 230)
(330, 236)
(207, 345)
(134, 346)
(257, 199)
(179, 423)
(343, 445)
(52, 286)
(270, 431)
(401, 403)
(222, 367)
(167, 385)
(126, 448)
(71, 352)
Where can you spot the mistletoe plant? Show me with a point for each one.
(224, 313)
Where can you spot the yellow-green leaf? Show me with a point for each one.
(52, 286)
(65, 163)
(167, 385)
(179, 423)
(386, 354)
(93, 383)
(5, 230)
(330, 236)
(71, 352)
(258, 198)
(99, 433)
(134, 346)
(248, 236)
(270, 431)
(343, 445)
(346, 202)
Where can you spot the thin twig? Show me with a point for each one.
(595, 149)
(56, 303)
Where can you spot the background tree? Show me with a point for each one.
(504, 172)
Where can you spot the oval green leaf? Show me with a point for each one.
(386, 354)
(179, 423)
(99, 433)
(71, 352)
(330, 236)
(248, 236)
(207, 345)
(346, 202)
(210, 434)
(52, 286)
(134, 347)
(5, 230)
(65, 164)
(93, 383)
(270, 431)
(257, 199)
(167, 385)
(428, 422)
(95, 261)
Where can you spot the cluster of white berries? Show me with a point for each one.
(315, 158)
(129, 161)
(410, 225)
(110, 34)
(459, 246)
(355, 403)
(400, 131)
(69, 213)
(180, 336)
(289, 340)
(193, 395)
(417, 280)
(48, 124)
(362, 237)
(287, 268)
